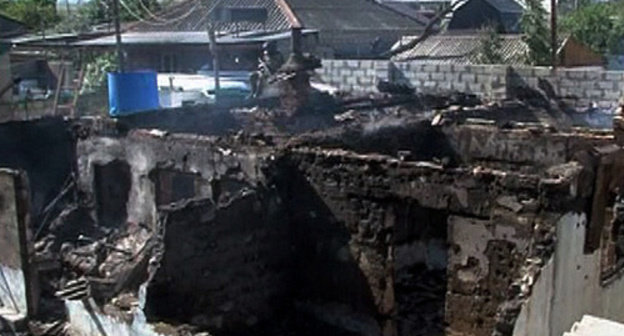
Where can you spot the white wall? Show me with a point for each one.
(569, 286)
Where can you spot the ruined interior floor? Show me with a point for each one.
(424, 217)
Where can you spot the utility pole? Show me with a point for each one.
(553, 34)
(120, 58)
(215, 59)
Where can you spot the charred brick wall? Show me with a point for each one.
(224, 267)
(369, 227)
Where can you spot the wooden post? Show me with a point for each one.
(215, 59)
(553, 34)
(120, 58)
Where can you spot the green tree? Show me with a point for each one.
(489, 48)
(36, 14)
(85, 17)
(96, 71)
(536, 33)
(599, 26)
(95, 12)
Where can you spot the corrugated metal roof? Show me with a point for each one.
(194, 15)
(461, 49)
(158, 38)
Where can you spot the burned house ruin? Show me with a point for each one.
(385, 214)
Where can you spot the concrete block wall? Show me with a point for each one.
(354, 75)
(589, 86)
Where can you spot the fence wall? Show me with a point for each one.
(589, 86)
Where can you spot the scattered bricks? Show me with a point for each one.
(365, 80)
(614, 75)
(460, 67)
(353, 63)
(451, 77)
(359, 73)
(437, 76)
(594, 94)
(524, 71)
(459, 86)
(586, 84)
(429, 85)
(612, 95)
(575, 74)
(422, 76)
(351, 80)
(366, 64)
(382, 74)
(606, 85)
(382, 65)
(444, 67)
(327, 63)
(444, 85)
(403, 66)
(593, 75)
(542, 72)
(583, 103)
(498, 70)
(345, 72)
(468, 77)
(532, 82)
(484, 78)
(430, 68)
(567, 83)
(475, 87)
(606, 104)
(480, 69)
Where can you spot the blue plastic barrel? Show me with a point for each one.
(132, 92)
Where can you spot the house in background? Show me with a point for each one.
(473, 15)
(355, 28)
(8, 28)
(463, 49)
(176, 40)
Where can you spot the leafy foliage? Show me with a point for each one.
(489, 48)
(96, 12)
(96, 70)
(36, 14)
(536, 33)
(599, 26)
(84, 17)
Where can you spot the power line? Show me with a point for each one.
(160, 23)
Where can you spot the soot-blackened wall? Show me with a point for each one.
(45, 150)
(224, 267)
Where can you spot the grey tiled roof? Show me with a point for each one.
(350, 15)
(193, 16)
(461, 49)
